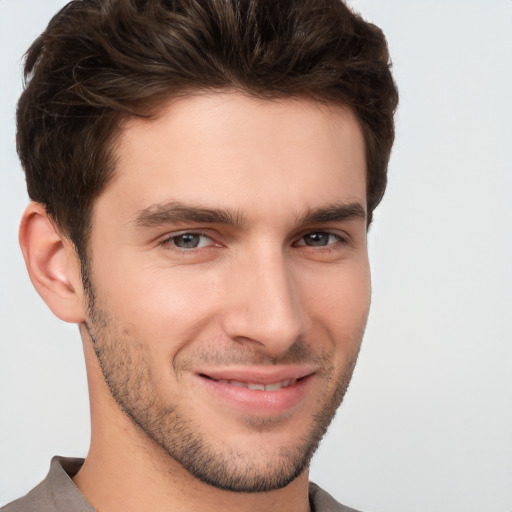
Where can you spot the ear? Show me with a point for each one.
(52, 264)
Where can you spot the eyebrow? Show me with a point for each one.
(334, 213)
(174, 212)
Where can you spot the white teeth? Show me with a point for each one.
(256, 387)
(275, 386)
(237, 384)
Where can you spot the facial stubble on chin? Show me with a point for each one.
(125, 367)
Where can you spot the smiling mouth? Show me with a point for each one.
(259, 392)
(256, 386)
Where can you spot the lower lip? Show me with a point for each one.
(257, 402)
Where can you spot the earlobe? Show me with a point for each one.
(52, 264)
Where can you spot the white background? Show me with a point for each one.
(427, 424)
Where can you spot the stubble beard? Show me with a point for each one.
(124, 364)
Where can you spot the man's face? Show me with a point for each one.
(231, 283)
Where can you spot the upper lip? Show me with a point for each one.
(258, 374)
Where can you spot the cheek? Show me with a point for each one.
(339, 305)
(166, 308)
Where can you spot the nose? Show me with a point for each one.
(264, 304)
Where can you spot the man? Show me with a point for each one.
(202, 177)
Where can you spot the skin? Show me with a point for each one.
(277, 286)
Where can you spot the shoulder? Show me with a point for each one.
(56, 493)
(322, 501)
(39, 499)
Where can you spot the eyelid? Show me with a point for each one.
(341, 236)
(167, 240)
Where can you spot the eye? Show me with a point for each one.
(189, 240)
(319, 239)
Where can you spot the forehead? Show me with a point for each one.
(234, 151)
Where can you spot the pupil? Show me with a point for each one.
(187, 241)
(316, 239)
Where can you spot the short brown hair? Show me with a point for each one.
(99, 61)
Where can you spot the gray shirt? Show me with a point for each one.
(58, 493)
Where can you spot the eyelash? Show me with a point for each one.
(339, 240)
(170, 239)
